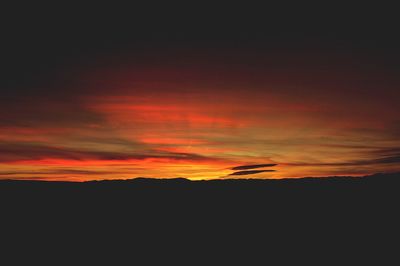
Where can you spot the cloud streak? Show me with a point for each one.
(58, 172)
(382, 156)
(14, 152)
(253, 166)
(251, 172)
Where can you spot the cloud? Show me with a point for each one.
(14, 152)
(379, 156)
(253, 166)
(387, 151)
(387, 156)
(57, 172)
(251, 172)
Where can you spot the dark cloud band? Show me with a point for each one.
(253, 166)
(251, 172)
(13, 152)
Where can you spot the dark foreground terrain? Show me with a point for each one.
(232, 193)
(336, 218)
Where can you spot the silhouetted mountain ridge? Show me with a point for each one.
(378, 177)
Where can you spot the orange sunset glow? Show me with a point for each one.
(199, 117)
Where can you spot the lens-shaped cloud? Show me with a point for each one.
(253, 166)
(251, 172)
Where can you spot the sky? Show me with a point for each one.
(214, 98)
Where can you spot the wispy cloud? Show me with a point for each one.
(13, 152)
(57, 172)
(378, 156)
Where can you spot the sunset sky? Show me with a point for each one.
(197, 102)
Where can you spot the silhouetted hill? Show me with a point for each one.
(379, 178)
(231, 192)
(336, 217)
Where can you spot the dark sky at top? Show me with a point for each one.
(41, 41)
